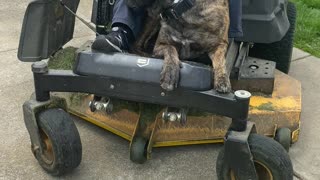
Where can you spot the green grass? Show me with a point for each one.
(307, 35)
(63, 59)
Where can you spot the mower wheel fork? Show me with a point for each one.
(238, 155)
(29, 110)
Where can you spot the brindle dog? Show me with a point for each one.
(201, 29)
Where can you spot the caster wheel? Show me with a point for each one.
(283, 136)
(60, 141)
(138, 150)
(270, 159)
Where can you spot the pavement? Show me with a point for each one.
(105, 156)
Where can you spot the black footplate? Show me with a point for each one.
(193, 76)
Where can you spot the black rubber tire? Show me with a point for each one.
(138, 150)
(266, 151)
(283, 136)
(57, 128)
(281, 51)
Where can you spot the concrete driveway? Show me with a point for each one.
(105, 156)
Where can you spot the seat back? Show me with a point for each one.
(47, 26)
(264, 21)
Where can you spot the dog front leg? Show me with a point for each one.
(145, 36)
(169, 76)
(153, 33)
(221, 78)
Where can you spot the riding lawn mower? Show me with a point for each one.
(120, 92)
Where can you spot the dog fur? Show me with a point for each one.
(201, 29)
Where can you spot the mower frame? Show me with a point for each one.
(234, 106)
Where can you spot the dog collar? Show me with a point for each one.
(176, 10)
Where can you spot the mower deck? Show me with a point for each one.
(281, 109)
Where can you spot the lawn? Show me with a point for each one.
(307, 35)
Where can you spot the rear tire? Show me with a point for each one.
(281, 51)
(60, 141)
(271, 160)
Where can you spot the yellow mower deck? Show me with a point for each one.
(282, 109)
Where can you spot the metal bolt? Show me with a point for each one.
(173, 117)
(163, 94)
(166, 116)
(242, 94)
(101, 106)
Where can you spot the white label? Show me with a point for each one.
(143, 62)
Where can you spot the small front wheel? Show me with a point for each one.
(138, 150)
(60, 141)
(283, 136)
(271, 160)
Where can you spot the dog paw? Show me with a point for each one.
(169, 76)
(222, 84)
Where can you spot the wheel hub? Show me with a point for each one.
(263, 172)
(47, 150)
